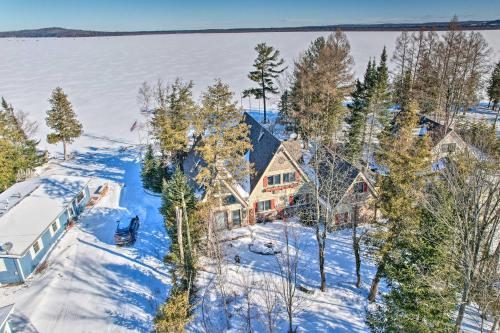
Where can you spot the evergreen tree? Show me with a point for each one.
(322, 78)
(177, 310)
(494, 90)
(421, 279)
(62, 119)
(377, 97)
(268, 65)
(8, 164)
(223, 138)
(494, 86)
(357, 123)
(406, 157)
(175, 314)
(19, 154)
(171, 120)
(177, 193)
(285, 108)
(152, 172)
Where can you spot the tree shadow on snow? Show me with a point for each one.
(21, 323)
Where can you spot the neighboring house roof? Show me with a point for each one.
(265, 145)
(28, 208)
(191, 167)
(5, 312)
(340, 173)
(192, 164)
(435, 131)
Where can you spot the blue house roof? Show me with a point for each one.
(28, 208)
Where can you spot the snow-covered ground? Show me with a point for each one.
(340, 309)
(102, 75)
(91, 285)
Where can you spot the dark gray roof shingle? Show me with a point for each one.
(339, 172)
(265, 145)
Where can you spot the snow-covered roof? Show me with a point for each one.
(5, 312)
(28, 208)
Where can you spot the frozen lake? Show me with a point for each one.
(102, 75)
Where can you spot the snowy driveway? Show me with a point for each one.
(90, 285)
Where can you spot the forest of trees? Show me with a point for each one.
(435, 241)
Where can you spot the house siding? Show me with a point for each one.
(352, 200)
(229, 208)
(9, 273)
(452, 137)
(28, 262)
(279, 165)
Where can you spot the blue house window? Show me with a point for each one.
(37, 246)
(80, 197)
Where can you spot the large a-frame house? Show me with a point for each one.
(277, 181)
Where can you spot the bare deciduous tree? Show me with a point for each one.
(288, 263)
(270, 302)
(446, 73)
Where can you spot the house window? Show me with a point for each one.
(264, 205)
(360, 187)
(229, 199)
(289, 177)
(342, 218)
(448, 147)
(274, 180)
(37, 246)
(220, 220)
(236, 217)
(3, 267)
(71, 212)
(54, 226)
(80, 197)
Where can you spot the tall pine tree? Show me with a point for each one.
(322, 79)
(62, 120)
(152, 171)
(176, 193)
(268, 65)
(357, 124)
(223, 138)
(171, 120)
(406, 158)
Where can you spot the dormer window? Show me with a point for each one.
(260, 135)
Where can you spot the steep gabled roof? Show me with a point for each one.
(434, 129)
(340, 172)
(191, 167)
(265, 145)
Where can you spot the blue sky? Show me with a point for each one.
(125, 15)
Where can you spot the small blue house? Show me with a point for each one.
(5, 312)
(33, 216)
